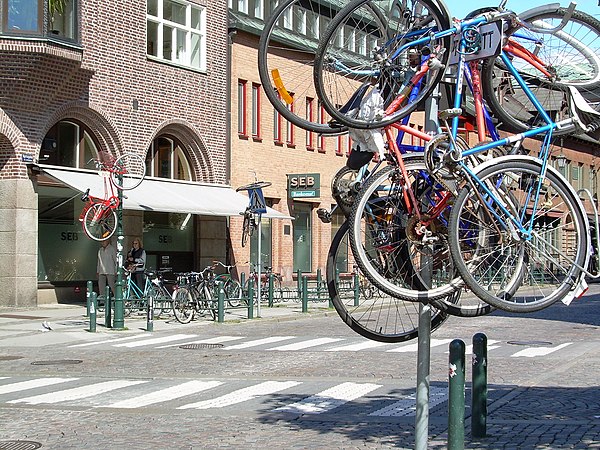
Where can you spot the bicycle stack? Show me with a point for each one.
(467, 227)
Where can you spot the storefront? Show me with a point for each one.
(182, 225)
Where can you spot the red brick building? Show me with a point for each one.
(143, 76)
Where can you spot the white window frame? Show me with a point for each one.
(184, 57)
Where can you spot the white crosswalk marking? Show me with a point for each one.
(159, 340)
(257, 342)
(539, 351)
(32, 384)
(356, 347)
(414, 347)
(105, 341)
(215, 340)
(78, 393)
(329, 398)
(174, 392)
(407, 406)
(242, 395)
(305, 344)
(469, 348)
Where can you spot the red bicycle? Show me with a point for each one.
(99, 216)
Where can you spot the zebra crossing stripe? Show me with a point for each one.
(329, 398)
(242, 395)
(105, 341)
(407, 406)
(305, 344)
(414, 347)
(172, 393)
(159, 340)
(356, 347)
(32, 384)
(78, 392)
(539, 351)
(215, 340)
(258, 342)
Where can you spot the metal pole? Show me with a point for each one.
(424, 330)
(423, 367)
(456, 396)
(259, 266)
(479, 387)
(119, 322)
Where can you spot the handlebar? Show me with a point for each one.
(542, 29)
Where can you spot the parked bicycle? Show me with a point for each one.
(194, 295)
(231, 286)
(137, 298)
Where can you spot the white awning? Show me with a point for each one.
(162, 195)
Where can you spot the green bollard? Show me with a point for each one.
(150, 314)
(107, 313)
(271, 283)
(93, 302)
(250, 300)
(456, 396)
(479, 387)
(220, 303)
(88, 293)
(304, 294)
(319, 280)
(356, 289)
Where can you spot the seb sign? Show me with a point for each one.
(304, 185)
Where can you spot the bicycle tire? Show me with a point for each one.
(390, 250)
(246, 228)
(232, 289)
(285, 62)
(519, 275)
(183, 305)
(345, 74)
(380, 318)
(100, 222)
(573, 66)
(344, 189)
(128, 171)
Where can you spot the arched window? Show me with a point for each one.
(166, 159)
(68, 143)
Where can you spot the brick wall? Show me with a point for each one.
(46, 82)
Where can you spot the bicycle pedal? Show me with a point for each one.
(324, 215)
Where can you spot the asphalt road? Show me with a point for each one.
(297, 381)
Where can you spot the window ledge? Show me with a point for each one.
(47, 46)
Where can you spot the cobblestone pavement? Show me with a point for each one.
(543, 400)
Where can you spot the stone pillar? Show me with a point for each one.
(18, 243)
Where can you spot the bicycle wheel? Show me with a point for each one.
(399, 245)
(503, 266)
(382, 317)
(570, 57)
(344, 188)
(233, 292)
(128, 171)
(286, 52)
(183, 305)
(100, 222)
(364, 65)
